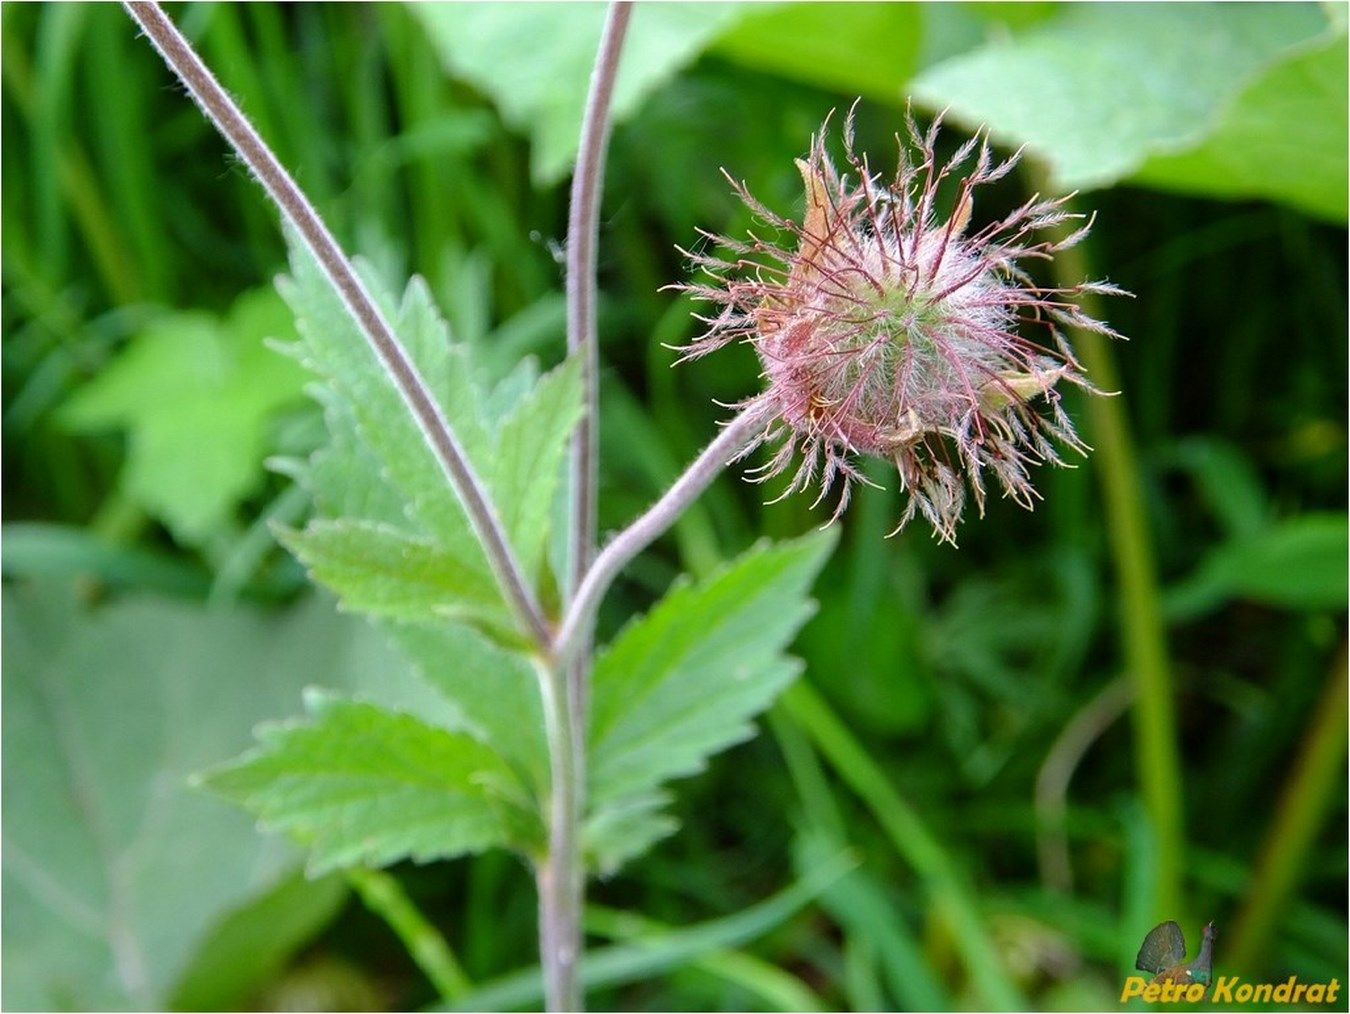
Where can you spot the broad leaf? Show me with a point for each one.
(857, 49)
(1104, 87)
(1283, 137)
(358, 783)
(252, 944)
(197, 396)
(684, 681)
(114, 868)
(534, 60)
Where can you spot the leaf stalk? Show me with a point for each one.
(227, 118)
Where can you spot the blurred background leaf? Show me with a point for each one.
(1106, 90)
(115, 870)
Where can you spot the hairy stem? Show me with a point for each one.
(236, 129)
(583, 236)
(583, 231)
(559, 874)
(1143, 633)
(734, 440)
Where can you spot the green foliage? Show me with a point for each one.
(1283, 136)
(492, 693)
(361, 784)
(400, 544)
(683, 682)
(869, 49)
(197, 396)
(535, 60)
(114, 870)
(1295, 564)
(1072, 89)
(379, 570)
(528, 460)
(253, 943)
(358, 783)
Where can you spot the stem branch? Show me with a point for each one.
(221, 110)
(734, 440)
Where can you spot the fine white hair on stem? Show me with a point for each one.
(227, 118)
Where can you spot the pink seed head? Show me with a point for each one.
(885, 330)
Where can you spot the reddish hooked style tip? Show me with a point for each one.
(885, 330)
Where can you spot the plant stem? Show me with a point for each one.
(738, 436)
(236, 129)
(559, 874)
(565, 875)
(1143, 633)
(384, 895)
(583, 232)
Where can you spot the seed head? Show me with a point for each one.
(885, 330)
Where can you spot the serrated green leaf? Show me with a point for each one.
(334, 348)
(492, 693)
(618, 833)
(684, 681)
(197, 395)
(377, 569)
(358, 783)
(529, 458)
(114, 868)
(344, 477)
(1103, 87)
(534, 60)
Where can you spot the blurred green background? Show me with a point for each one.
(1127, 706)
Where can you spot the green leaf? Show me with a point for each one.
(253, 943)
(857, 49)
(491, 693)
(534, 61)
(114, 869)
(378, 570)
(621, 831)
(197, 396)
(1103, 88)
(684, 682)
(1284, 137)
(359, 783)
(529, 459)
(1296, 564)
(402, 546)
(334, 348)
